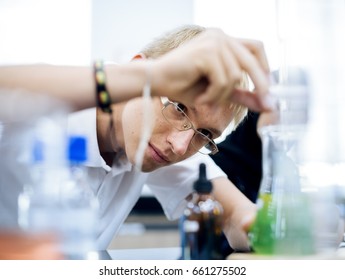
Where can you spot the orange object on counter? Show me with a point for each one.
(19, 245)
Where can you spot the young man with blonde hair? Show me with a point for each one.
(171, 159)
(181, 129)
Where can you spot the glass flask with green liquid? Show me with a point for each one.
(284, 224)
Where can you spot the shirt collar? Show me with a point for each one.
(84, 122)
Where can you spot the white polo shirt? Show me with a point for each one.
(118, 188)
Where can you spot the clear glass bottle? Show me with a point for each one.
(60, 201)
(202, 223)
(79, 205)
(39, 198)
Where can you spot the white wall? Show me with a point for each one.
(243, 18)
(49, 31)
(121, 28)
(78, 31)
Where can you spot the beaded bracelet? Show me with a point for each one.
(102, 94)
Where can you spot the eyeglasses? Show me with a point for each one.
(174, 114)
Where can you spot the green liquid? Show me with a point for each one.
(283, 225)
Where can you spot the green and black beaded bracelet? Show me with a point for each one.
(102, 94)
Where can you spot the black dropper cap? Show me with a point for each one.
(202, 185)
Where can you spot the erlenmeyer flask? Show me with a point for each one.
(284, 222)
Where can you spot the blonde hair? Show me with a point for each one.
(176, 37)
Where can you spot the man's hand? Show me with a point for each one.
(208, 69)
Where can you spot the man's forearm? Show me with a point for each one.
(239, 213)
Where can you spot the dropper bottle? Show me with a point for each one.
(203, 221)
